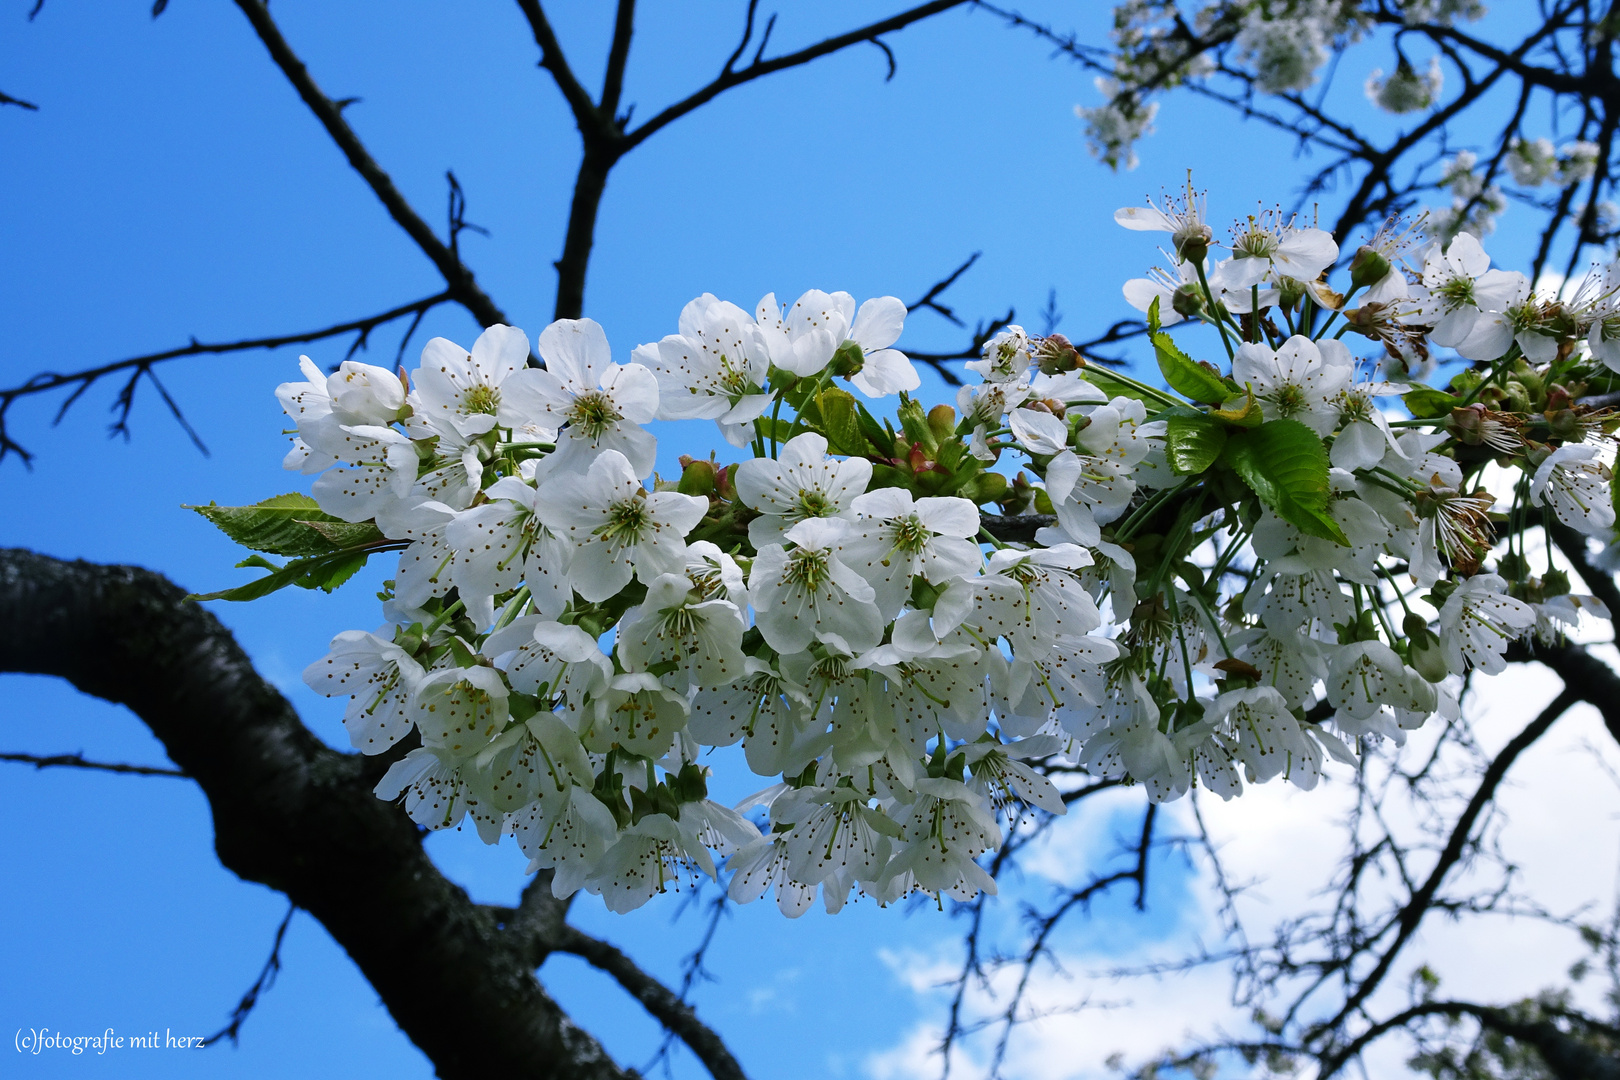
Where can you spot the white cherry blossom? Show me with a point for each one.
(800, 485)
(597, 405)
(809, 590)
(618, 528)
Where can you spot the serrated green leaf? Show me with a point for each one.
(1427, 403)
(328, 574)
(1192, 443)
(281, 525)
(841, 424)
(1185, 375)
(347, 534)
(321, 572)
(1285, 463)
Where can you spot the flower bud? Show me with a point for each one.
(942, 422)
(983, 488)
(916, 426)
(1192, 241)
(1188, 300)
(1565, 425)
(1423, 649)
(848, 359)
(1290, 292)
(698, 477)
(1056, 355)
(1368, 268)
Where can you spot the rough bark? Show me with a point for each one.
(294, 814)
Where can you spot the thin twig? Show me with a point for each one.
(266, 979)
(78, 761)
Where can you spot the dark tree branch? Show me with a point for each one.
(662, 1003)
(1567, 1058)
(1412, 913)
(295, 815)
(618, 56)
(78, 761)
(1015, 528)
(606, 139)
(729, 78)
(462, 288)
(930, 299)
(142, 366)
(7, 99)
(537, 927)
(586, 114)
(267, 978)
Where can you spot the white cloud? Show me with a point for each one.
(1560, 829)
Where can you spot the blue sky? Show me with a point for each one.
(172, 184)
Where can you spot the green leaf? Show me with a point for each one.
(321, 572)
(1614, 490)
(841, 424)
(1185, 375)
(328, 574)
(1193, 443)
(286, 525)
(1240, 411)
(1427, 403)
(882, 441)
(1285, 463)
(347, 534)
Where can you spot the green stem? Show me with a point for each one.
(1353, 290)
(514, 608)
(1144, 388)
(821, 384)
(1125, 531)
(444, 616)
(1215, 312)
(1390, 577)
(1496, 372)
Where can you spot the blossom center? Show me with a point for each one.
(626, 521)
(481, 398)
(808, 568)
(593, 413)
(910, 535)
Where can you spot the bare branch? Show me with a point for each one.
(1411, 914)
(78, 761)
(692, 966)
(730, 77)
(7, 99)
(618, 56)
(930, 299)
(1567, 1058)
(138, 366)
(457, 276)
(663, 1004)
(586, 115)
(267, 978)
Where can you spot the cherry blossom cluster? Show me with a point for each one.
(1283, 47)
(903, 622)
